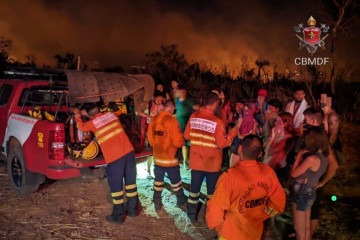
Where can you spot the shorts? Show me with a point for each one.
(303, 196)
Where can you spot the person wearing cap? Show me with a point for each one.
(261, 106)
(118, 154)
(245, 196)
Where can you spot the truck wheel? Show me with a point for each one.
(21, 179)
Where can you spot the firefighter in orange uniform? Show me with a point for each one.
(118, 154)
(165, 137)
(245, 196)
(207, 136)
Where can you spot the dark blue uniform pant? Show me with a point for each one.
(197, 177)
(123, 169)
(176, 184)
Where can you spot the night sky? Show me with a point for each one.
(121, 32)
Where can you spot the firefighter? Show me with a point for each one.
(165, 137)
(119, 156)
(245, 196)
(208, 137)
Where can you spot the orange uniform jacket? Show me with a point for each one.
(207, 136)
(109, 133)
(245, 196)
(165, 137)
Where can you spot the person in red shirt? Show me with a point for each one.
(118, 154)
(165, 137)
(208, 137)
(245, 196)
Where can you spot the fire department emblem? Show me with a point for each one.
(311, 35)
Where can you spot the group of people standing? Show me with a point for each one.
(270, 149)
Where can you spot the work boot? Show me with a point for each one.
(117, 215)
(192, 212)
(115, 219)
(132, 205)
(157, 200)
(193, 220)
(136, 212)
(158, 206)
(181, 200)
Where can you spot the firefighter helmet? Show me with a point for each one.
(75, 149)
(49, 116)
(90, 151)
(35, 112)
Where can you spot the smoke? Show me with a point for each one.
(121, 32)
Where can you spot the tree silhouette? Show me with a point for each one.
(66, 62)
(261, 64)
(344, 19)
(31, 60)
(5, 45)
(167, 63)
(249, 74)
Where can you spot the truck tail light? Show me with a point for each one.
(57, 145)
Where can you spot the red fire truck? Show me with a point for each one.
(37, 127)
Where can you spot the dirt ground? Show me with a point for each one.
(76, 208)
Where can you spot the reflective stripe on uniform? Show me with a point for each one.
(158, 186)
(193, 201)
(107, 128)
(208, 196)
(117, 194)
(118, 201)
(166, 162)
(131, 186)
(199, 135)
(204, 144)
(110, 135)
(132, 194)
(159, 189)
(194, 195)
(158, 183)
(176, 184)
(177, 189)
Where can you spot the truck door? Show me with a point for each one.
(5, 103)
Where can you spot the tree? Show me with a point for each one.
(261, 64)
(249, 74)
(244, 65)
(66, 62)
(5, 46)
(342, 21)
(167, 63)
(31, 60)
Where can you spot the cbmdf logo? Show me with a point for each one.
(311, 35)
(310, 38)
